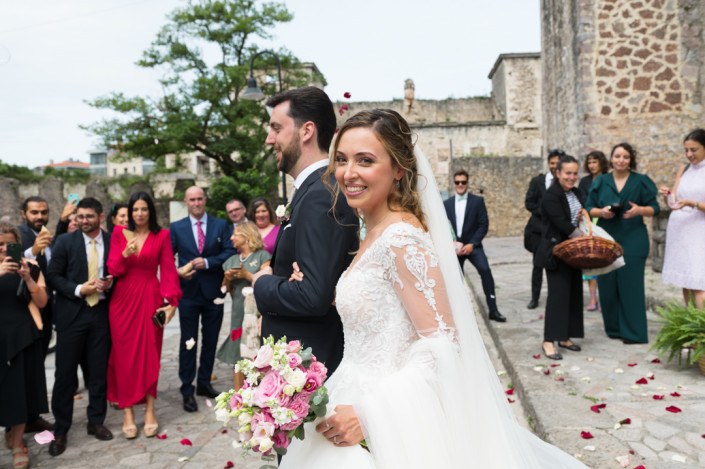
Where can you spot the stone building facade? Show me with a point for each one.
(619, 70)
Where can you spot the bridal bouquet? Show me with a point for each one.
(283, 390)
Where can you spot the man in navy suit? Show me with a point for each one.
(204, 242)
(468, 216)
(78, 273)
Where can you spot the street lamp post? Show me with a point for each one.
(254, 93)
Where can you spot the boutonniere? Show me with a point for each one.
(283, 212)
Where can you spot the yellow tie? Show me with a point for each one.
(92, 300)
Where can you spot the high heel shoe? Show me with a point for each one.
(553, 356)
(150, 429)
(130, 431)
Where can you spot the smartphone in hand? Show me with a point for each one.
(74, 198)
(14, 251)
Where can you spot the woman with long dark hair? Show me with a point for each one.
(136, 255)
(262, 214)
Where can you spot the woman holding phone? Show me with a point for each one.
(621, 199)
(22, 376)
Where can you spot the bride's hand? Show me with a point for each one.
(343, 428)
(296, 275)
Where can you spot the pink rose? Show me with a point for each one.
(318, 368)
(235, 401)
(281, 440)
(313, 382)
(270, 388)
(264, 357)
(293, 425)
(294, 360)
(299, 404)
(293, 346)
(260, 418)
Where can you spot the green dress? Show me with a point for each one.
(229, 351)
(622, 295)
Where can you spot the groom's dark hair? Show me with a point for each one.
(310, 104)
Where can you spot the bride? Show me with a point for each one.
(415, 381)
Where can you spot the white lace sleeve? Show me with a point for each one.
(418, 281)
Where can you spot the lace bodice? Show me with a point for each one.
(390, 297)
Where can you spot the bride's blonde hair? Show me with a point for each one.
(393, 132)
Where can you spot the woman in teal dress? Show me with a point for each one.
(620, 200)
(251, 258)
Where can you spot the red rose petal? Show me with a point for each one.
(631, 364)
(626, 421)
(186, 442)
(224, 430)
(228, 465)
(344, 107)
(511, 401)
(586, 435)
(553, 365)
(560, 379)
(596, 408)
(631, 451)
(656, 360)
(537, 356)
(658, 397)
(651, 376)
(642, 381)
(640, 466)
(347, 95)
(547, 372)
(161, 437)
(703, 435)
(509, 391)
(675, 394)
(236, 334)
(673, 409)
(340, 111)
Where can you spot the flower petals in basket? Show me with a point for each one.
(588, 252)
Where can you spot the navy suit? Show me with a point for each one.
(83, 332)
(198, 295)
(475, 226)
(533, 229)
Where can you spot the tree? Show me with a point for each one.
(200, 109)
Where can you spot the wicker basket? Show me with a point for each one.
(588, 252)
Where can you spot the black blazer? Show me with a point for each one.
(532, 202)
(557, 226)
(67, 269)
(475, 224)
(28, 238)
(323, 245)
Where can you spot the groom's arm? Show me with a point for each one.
(321, 250)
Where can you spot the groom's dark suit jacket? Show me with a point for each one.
(323, 244)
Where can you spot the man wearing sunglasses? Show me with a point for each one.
(468, 217)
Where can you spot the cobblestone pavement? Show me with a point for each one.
(557, 400)
(555, 405)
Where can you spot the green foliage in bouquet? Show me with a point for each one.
(683, 328)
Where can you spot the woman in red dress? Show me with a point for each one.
(135, 257)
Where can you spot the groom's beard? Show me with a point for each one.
(290, 155)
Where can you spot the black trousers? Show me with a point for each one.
(564, 306)
(536, 280)
(479, 260)
(211, 317)
(86, 339)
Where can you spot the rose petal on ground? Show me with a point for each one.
(656, 360)
(574, 368)
(538, 368)
(186, 442)
(224, 430)
(509, 391)
(618, 370)
(537, 356)
(511, 401)
(640, 466)
(634, 386)
(650, 376)
(678, 457)
(347, 95)
(589, 448)
(658, 397)
(642, 381)
(596, 408)
(236, 334)
(547, 372)
(161, 437)
(675, 394)
(585, 435)
(673, 409)
(560, 379)
(44, 437)
(344, 107)
(501, 373)
(585, 378)
(625, 421)
(228, 465)
(190, 343)
(631, 451)
(631, 364)
(183, 458)
(553, 365)
(623, 460)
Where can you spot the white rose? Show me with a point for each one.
(296, 378)
(280, 212)
(244, 418)
(289, 390)
(265, 444)
(222, 415)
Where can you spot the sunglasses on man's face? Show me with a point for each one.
(460, 183)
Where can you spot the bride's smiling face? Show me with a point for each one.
(364, 170)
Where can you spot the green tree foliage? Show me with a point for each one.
(204, 54)
(21, 173)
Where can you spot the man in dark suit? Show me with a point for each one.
(468, 217)
(532, 231)
(204, 242)
(78, 273)
(37, 245)
(319, 236)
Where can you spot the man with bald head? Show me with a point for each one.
(202, 243)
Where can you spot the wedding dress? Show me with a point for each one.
(414, 367)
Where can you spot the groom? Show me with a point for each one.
(320, 239)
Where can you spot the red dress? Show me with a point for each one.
(133, 368)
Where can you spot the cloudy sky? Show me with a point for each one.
(55, 55)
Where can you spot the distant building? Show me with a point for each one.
(109, 163)
(67, 165)
(99, 162)
(193, 163)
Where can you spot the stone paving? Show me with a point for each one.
(553, 401)
(557, 400)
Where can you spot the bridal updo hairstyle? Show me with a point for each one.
(393, 132)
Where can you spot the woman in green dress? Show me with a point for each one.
(251, 258)
(621, 199)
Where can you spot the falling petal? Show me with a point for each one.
(209, 403)
(586, 435)
(347, 95)
(642, 381)
(236, 334)
(161, 437)
(44, 437)
(186, 442)
(673, 409)
(190, 343)
(344, 107)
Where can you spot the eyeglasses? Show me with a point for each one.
(460, 183)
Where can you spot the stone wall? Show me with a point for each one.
(617, 70)
(502, 181)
